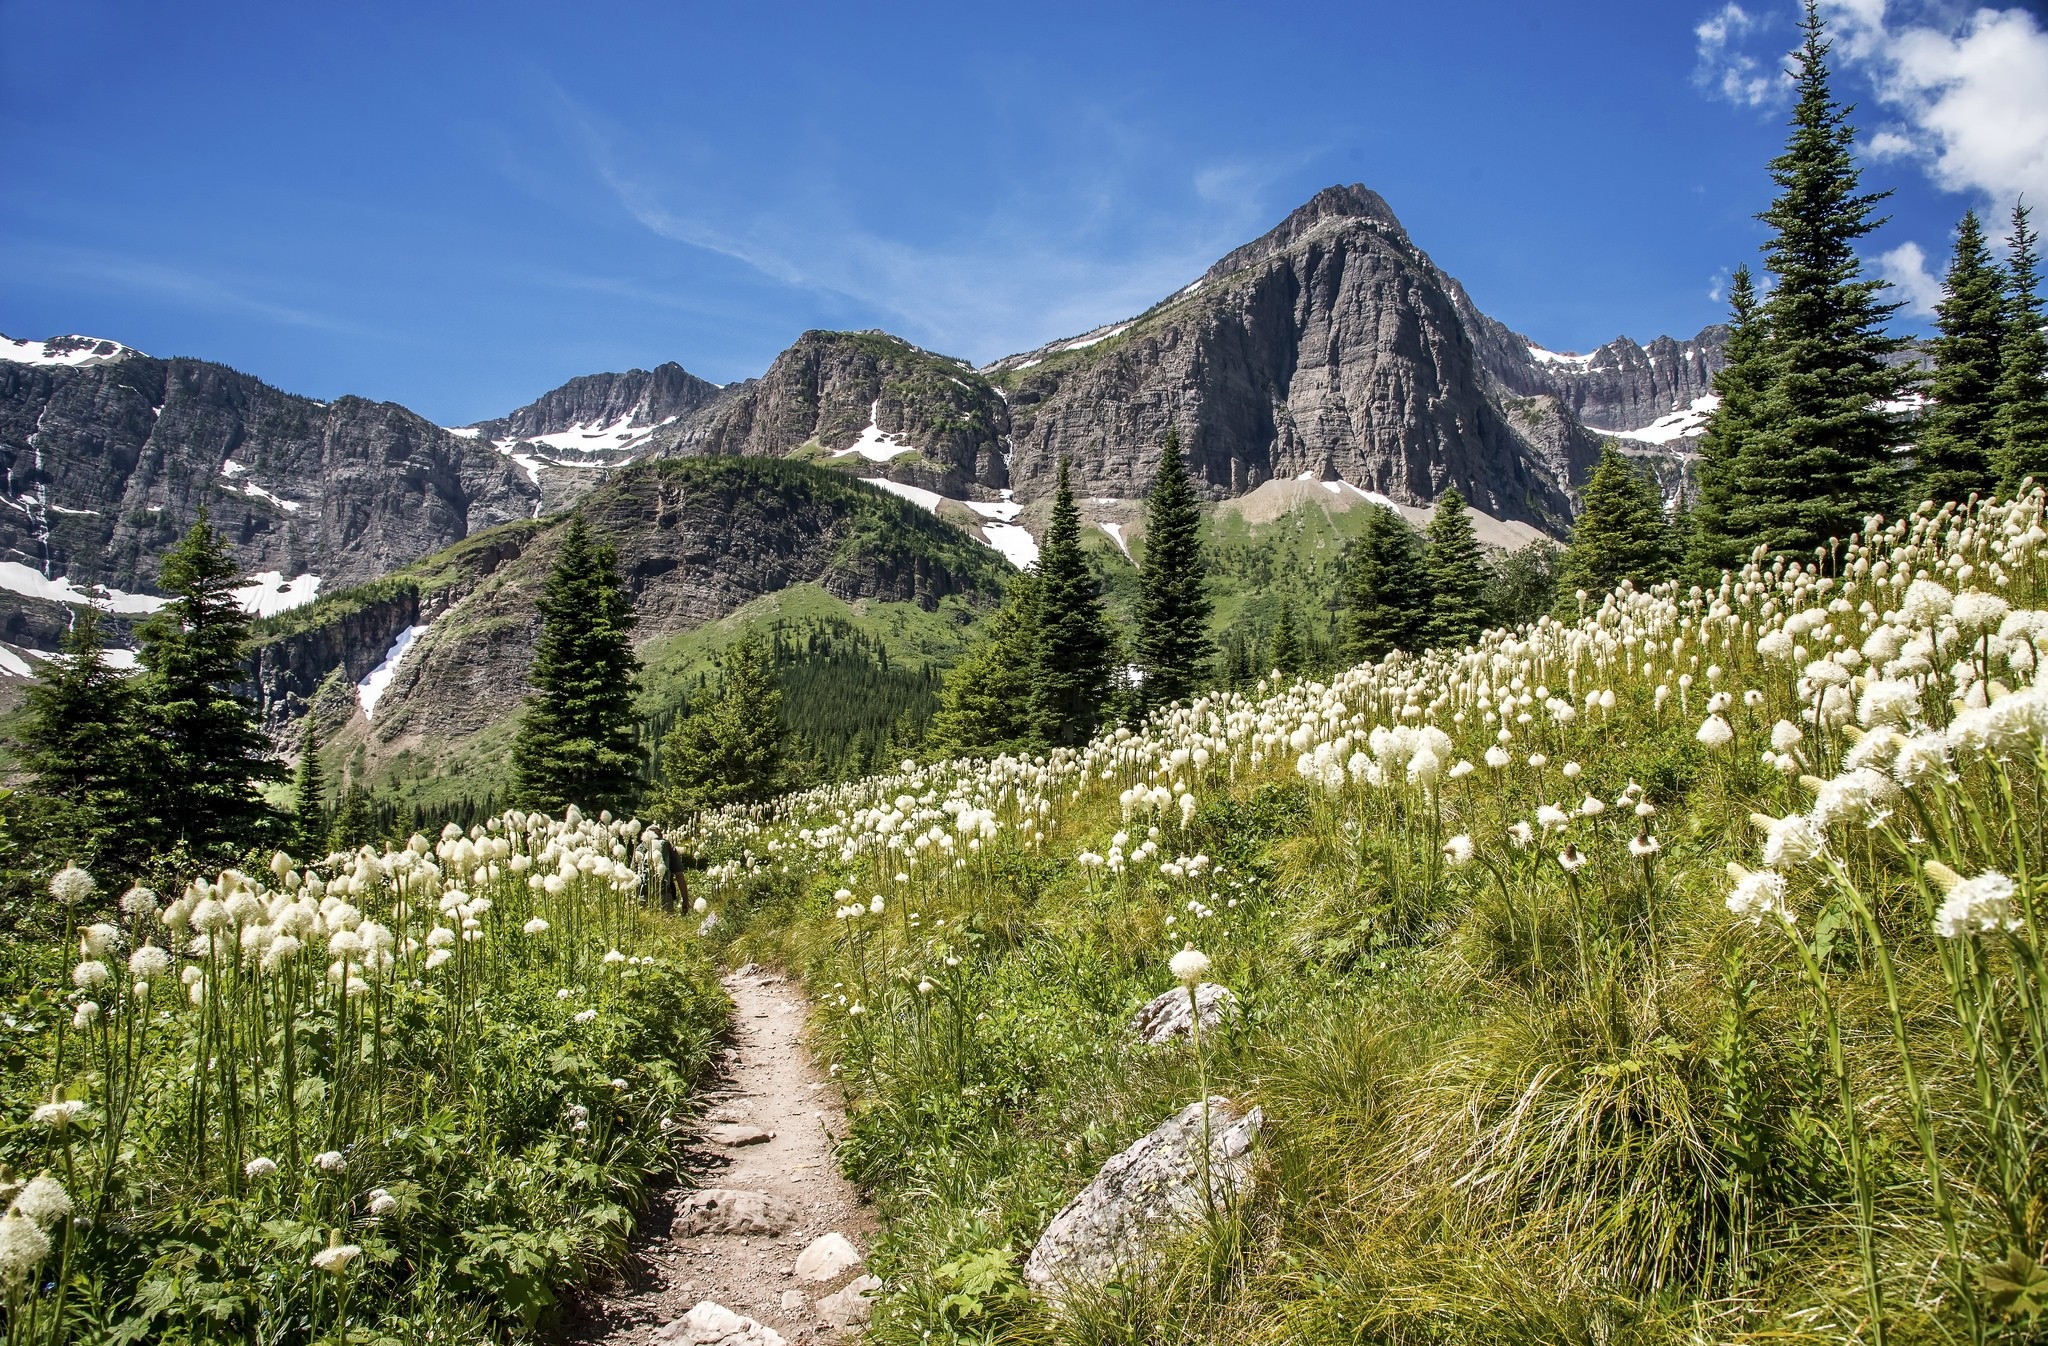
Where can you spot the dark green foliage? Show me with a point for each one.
(1457, 575)
(576, 739)
(1953, 447)
(1173, 644)
(2020, 429)
(204, 752)
(1521, 585)
(309, 796)
(1621, 534)
(354, 823)
(1288, 654)
(78, 742)
(1386, 589)
(1823, 457)
(854, 707)
(986, 706)
(1732, 428)
(732, 748)
(1076, 649)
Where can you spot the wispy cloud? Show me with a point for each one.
(1727, 68)
(1008, 276)
(1906, 268)
(121, 274)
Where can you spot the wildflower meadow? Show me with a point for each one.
(404, 1096)
(1669, 973)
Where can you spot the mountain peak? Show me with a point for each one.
(1355, 202)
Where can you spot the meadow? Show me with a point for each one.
(409, 1095)
(1665, 974)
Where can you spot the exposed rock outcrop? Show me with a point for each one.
(1151, 1190)
(1169, 1014)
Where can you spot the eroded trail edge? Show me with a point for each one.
(754, 1239)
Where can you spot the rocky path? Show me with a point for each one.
(766, 1249)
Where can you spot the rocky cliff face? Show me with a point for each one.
(604, 410)
(107, 463)
(1332, 346)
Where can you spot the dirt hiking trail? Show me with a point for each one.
(766, 1248)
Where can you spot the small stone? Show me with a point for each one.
(748, 970)
(793, 1301)
(1168, 1016)
(725, 1210)
(853, 1303)
(735, 1136)
(710, 1324)
(829, 1257)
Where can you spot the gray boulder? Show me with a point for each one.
(725, 1210)
(1148, 1191)
(1169, 1016)
(710, 1324)
(853, 1305)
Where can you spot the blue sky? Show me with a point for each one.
(459, 206)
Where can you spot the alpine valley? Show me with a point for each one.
(863, 498)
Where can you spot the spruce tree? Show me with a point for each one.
(1457, 575)
(205, 753)
(1732, 428)
(985, 706)
(577, 742)
(1173, 644)
(1954, 444)
(78, 743)
(1288, 656)
(2020, 428)
(1386, 589)
(309, 795)
(1076, 649)
(732, 748)
(1621, 534)
(1823, 459)
(352, 821)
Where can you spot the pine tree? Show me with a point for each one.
(577, 742)
(2020, 428)
(1621, 534)
(732, 747)
(1955, 439)
(1731, 429)
(1457, 575)
(1823, 459)
(309, 795)
(1386, 589)
(1173, 644)
(985, 707)
(78, 742)
(1288, 657)
(206, 753)
(353, 824)
(1076, 649)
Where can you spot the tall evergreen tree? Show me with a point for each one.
(1621, 534)
(1076, 649)
(1824, 457)
(353, 823)
(2020, 429)
(1173, 645)
(205, 752)
(1386, 589)
(1741, 386)
(985, 707)
(309, 795)
(78, 741)
(577, 742)
(1457, 574)
(732, 748)
(1289, 656)
(1954, 442)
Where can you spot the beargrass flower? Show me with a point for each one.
(536, 926)
(382, 1202)
(139, 903)
(22, 1249)
(58, 1114)
(583, 1016)
(1552, 818)
(1642, 846)
(330, 1161)
(1497, 757)
(334, 1259)
(1458, 851)
(1794, 840)
(1978, 906)
(43, 1201)
(1759, 895)
(1571, 858)
(72, 885)
(1189, 966)
(1715, 732)
(1521, 834)
(85, 1016)
(259, 1168)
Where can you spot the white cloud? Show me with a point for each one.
(1906, 268)
(1725, 68)
(1717, 288)
(1970, 88)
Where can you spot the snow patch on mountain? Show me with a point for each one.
(29, 582)
(1544, 357)
(1689, 423)
(64, 350)
(371, 689)
(875, 446)
(267, 592)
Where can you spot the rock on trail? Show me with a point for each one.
(767, 1250)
